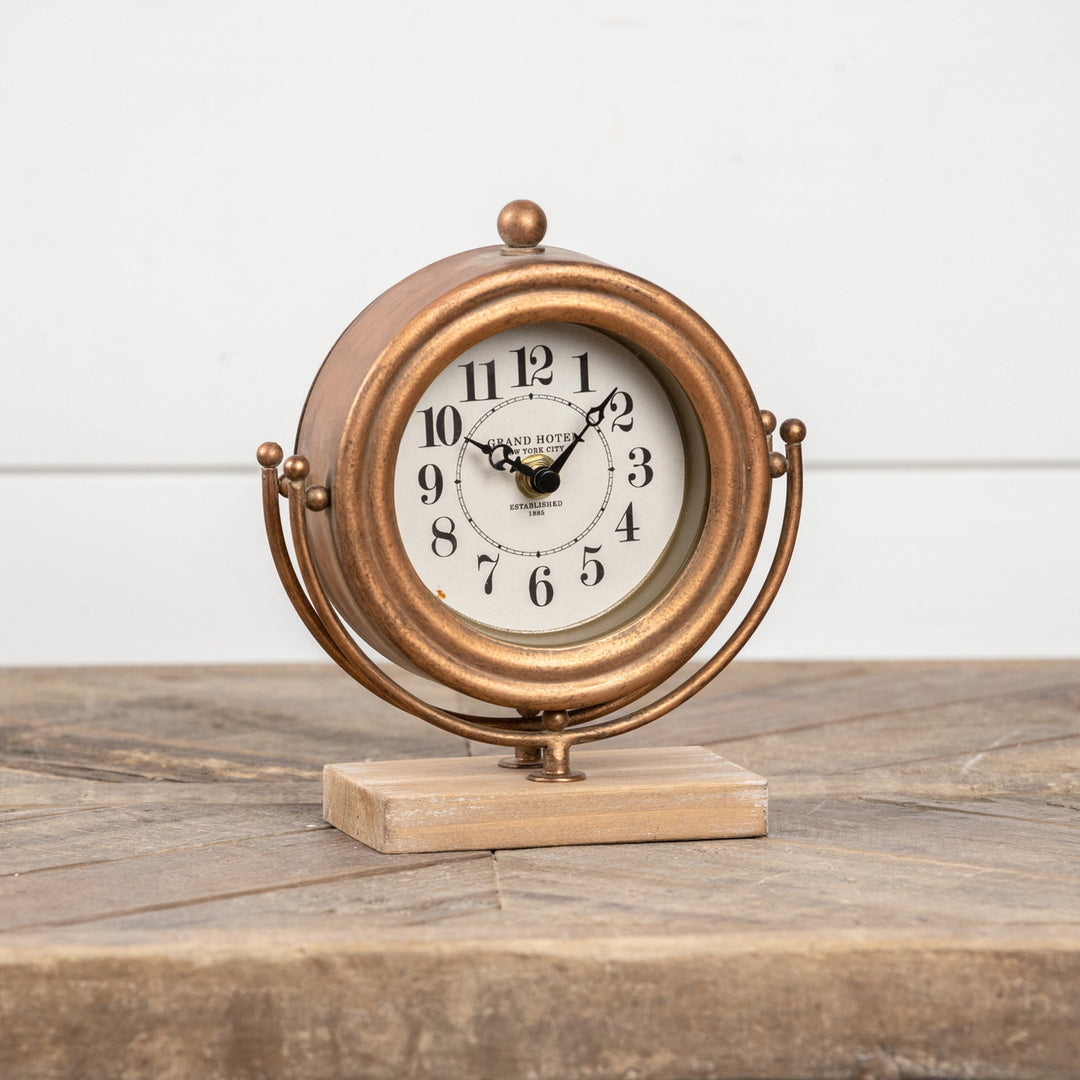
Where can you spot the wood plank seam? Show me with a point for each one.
(306, 830)
(363, 872)
(945, 809)
(499, 899)
(953, 864)
(935, 706)
(1019, 744)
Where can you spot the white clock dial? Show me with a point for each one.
(540, 479)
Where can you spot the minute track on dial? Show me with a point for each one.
(475, 495)
(545, 479)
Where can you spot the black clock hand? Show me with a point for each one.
(514, 464)
(546, 479)
(592, 419)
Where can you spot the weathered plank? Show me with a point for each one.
(190, 724)
(100, 834)
(954, 741)
(693, 1007)
(191, 875)
(424, 899)
(825, 694)
(25, 790)
(170, 904)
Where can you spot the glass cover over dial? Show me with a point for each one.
(540, 479)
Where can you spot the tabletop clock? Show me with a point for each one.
(541, 482)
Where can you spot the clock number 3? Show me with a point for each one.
(640, 458)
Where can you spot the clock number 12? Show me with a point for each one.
(540, 358)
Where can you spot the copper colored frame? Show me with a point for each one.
(351, 558)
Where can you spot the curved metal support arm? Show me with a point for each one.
(293, 589)
(373, 677)
(551, 731)
(742, 633)
(357, 665)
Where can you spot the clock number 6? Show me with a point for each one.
(443, 537)
(586, 562)
(540, 590)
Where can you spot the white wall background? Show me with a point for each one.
(875, 204)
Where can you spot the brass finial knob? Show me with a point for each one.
(793, 431)
(270, 455)
(522, 224)
(296, 467)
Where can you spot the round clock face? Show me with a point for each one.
(541, 480)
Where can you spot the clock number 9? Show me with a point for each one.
(430, 480)
(636, 480)
(442, 537)
(541, 592)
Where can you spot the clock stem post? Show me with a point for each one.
(556, 751)
(525, 757)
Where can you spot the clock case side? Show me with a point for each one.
(340, 380)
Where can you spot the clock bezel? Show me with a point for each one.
(672, 542)
(373, 582)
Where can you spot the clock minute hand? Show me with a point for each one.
(592, 419)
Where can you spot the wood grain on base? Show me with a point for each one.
(469, 804)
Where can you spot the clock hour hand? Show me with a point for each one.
(506, 461)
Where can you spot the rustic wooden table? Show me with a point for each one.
(173, 906)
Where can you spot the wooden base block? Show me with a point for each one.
(468, 804)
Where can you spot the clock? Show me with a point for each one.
(535, 479)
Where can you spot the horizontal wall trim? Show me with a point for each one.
(902, 564)
(114, 469)
(218, 469)
(988, 464)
